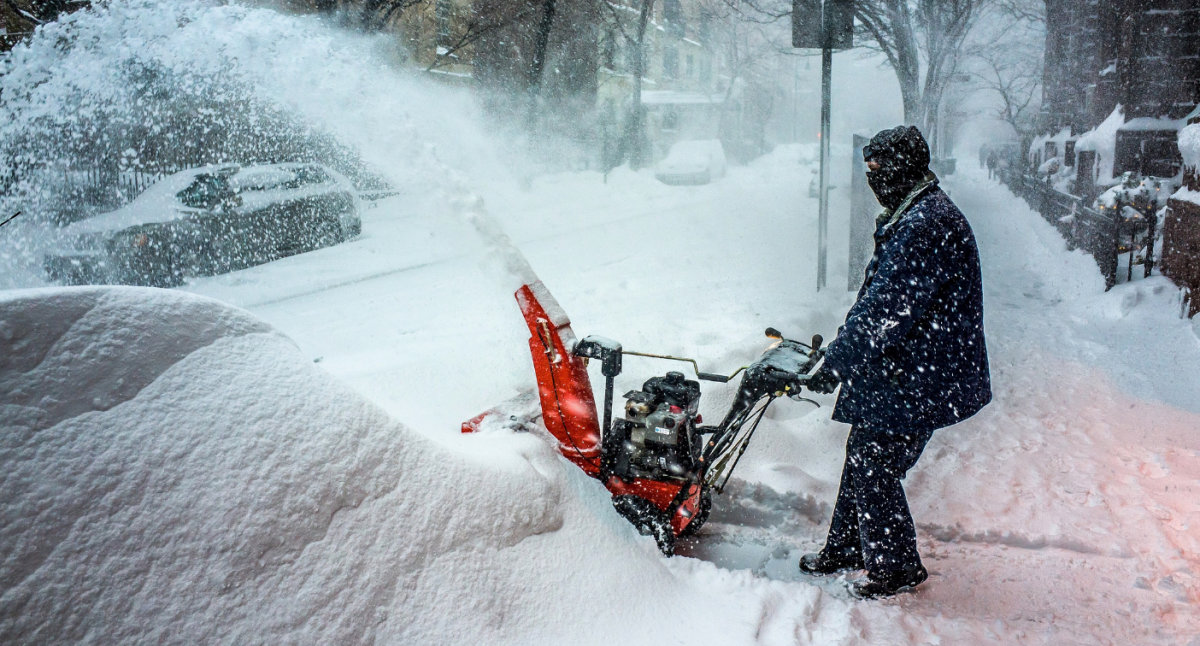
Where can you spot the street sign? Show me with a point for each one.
(823, 27)
(839, 24)
(806, 24)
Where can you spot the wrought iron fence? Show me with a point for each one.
(1106, 234)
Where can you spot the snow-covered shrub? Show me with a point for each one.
(1141, 193)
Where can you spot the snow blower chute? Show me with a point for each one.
(660, 462)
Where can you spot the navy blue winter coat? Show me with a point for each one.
(911, 354)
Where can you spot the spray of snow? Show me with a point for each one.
(77, 75)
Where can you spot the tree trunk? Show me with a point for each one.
(907, 61)
(634, 136)
(539, 60)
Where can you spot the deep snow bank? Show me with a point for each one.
(172, 470)
(176, 471)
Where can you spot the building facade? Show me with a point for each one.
(1140, 58)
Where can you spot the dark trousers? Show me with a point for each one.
(871, 520)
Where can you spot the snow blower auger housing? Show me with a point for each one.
(659, 461)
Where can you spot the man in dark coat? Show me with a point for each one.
(910, 359)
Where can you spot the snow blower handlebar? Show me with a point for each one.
(784, 369)
(705, 376)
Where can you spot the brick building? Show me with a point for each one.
(1141, 55)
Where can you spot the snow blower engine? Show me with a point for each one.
(660, 462)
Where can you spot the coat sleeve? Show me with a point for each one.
(914, 267)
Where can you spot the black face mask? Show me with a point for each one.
(892, 182)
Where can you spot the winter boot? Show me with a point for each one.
(874, 586)
(821, 564)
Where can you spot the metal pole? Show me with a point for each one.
(823, 213)
(795, 99)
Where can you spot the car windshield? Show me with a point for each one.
(205, 192)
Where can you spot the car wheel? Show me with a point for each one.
(327, 233)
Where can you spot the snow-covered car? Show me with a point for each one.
(692, 162)
(209, 220)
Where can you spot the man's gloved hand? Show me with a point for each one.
(823, 381)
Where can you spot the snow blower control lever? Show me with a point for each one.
(659, 461)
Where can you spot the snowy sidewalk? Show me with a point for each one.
(1067, 511)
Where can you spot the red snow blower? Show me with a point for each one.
(660, 463)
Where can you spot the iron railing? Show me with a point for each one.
(1104, 233)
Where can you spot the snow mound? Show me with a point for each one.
(175, 471)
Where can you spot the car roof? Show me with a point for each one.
(157, 203)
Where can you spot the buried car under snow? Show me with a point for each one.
(692, 162)
(209, 220)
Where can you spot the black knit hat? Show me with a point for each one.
(902, 144)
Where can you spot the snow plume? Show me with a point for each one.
(115, 90)
(145, 85)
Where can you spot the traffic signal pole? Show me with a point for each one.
(823, 211)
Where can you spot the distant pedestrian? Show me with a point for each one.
(910, 359)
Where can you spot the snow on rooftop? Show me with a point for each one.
(1189, 146)
(1145, 124)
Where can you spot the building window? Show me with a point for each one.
(670, 120)
(670, 62)
(704, 30)
(691, 65)
(705, 69)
